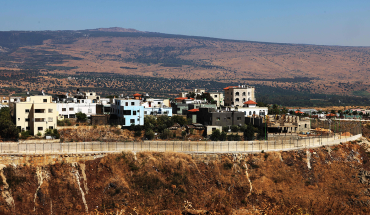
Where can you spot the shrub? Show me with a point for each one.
(236, 137)
(149, 134)
(183, 134)
(215, 135)
(81, 117)
(174, 135)
(25, 134)
(230, 137)
(137, 133)
(225, 128)
(38, 134)
(223, 136)
(234, 128)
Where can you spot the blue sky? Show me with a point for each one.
(310, 22)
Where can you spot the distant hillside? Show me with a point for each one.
(305, 68)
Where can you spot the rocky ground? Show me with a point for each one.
(326, 180)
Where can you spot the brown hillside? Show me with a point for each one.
(331, 180)
(329, 69)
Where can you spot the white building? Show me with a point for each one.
(69, 110)
(250, 108)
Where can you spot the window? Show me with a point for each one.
(132, 120)
(249, 93)
(237, 99)
(126, 103)
(213, 129)
(215, 97)
(218, 118)
(27, 128)
(237, 93)
(51, 127)
(250, 112)
(228, 117)
(90, 94)
(305, 125)
(39, 119)
(45, 100)
(239, 118)
(243, 93)
(132, 103)
(50, 110)
(27, 110)
(145, 112)
(50, 119)
(19, 119)
(243, 99)
(39, 110)
(64, 109)
(134, 113)
(40, 128)
(89, 111)
(27, 119)
(71, 109)
(138, 120)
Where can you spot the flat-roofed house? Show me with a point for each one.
(36, 114)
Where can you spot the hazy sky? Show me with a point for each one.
(322, 22)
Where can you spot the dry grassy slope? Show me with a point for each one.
(149, 183)
(331, 64)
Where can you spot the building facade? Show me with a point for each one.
(36, 114)
(128, 112)
(218, 97)
(69, 110)
(237, 95)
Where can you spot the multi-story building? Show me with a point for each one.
(250, 108)
(197, 91)
(69, 110)
(158, 111)
(237, 95)
(128, 112)
(218, 97)
(36, 114)
(210, 116)
(92, 95)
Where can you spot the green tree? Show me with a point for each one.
(166, 134)
(183, 134)
(149, 134)
(223, 136)
(234, 128)
(81, 117)
(249, 133)
(178, 119)
(215, 135)
(7, 128)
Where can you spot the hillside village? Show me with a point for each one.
(232, 113)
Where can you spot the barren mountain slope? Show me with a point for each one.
(318, 69)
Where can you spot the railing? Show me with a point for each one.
(175, 146)
(350, 132)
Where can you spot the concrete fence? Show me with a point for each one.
(174, 146)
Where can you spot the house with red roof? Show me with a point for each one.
(235, 96)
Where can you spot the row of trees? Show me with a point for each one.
(249, 133)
